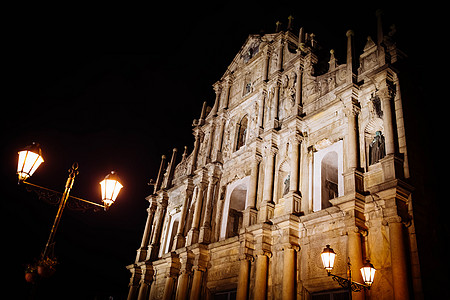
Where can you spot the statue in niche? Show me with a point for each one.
(287, 184)
(376, 148)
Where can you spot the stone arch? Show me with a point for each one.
(241, 132)
(329, 178)
(235, 204)
(325, 160)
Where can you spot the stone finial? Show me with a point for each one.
(290, 18)
(378, 14)
(278, 26)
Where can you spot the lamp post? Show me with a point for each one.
(29, 160)
(367, 271)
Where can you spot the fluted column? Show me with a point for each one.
(398, 258)
(262, 262)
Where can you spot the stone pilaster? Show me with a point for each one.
(250, 213)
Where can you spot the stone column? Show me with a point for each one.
(185, 273)
(169, 287)
(193, 165)
(262, 262)
(250, 211)
(355, 255)
(276, 100)
(205, 230)
(352, 148)
(244, 277)
(289, 272)
(193, 233)
(266, 64)
(226, 92)
(183, 284)
(267, 206)
(179, 238)
(160, 177)
(134, 283)
(385, 96)
(398, 258)
(159, 218)
(142, 252)
(146, 281)
(197, 283)
(298, 92)
(295, 165)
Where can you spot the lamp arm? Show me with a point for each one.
(345, 283)
(59, 193)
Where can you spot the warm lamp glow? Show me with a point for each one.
(328, 256)
(368, 273)
(110, 187)
(30, 159)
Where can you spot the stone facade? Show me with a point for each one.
(298, 151)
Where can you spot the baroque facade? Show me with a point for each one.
(298, 151)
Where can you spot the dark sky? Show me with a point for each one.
(115, 87)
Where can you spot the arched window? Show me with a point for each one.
(329, 172)
(241, 132)
(237, 206)
(234, 206)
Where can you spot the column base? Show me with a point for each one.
(250, 216)
(141, 254)
(179, 241)
(292, 203)
(353, 182)
(266, 211)
(205, 235)
(192, 236)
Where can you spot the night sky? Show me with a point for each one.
(114, 88)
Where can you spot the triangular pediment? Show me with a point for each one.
(249, 49)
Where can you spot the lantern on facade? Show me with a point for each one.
(30, 158)
(328, 255)
(368, 273)
(110, 187)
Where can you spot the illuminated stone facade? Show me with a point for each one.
(298, 151)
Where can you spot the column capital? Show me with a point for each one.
(392, 219)
(290, 246)
(262, 252)
(246, 256)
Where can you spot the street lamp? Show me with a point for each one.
(29, 160)
(367, 271)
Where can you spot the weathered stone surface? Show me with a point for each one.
(280, 168)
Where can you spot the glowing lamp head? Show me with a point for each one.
(110, 187)
(30, 159)
(368, 273)
(328, 255)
